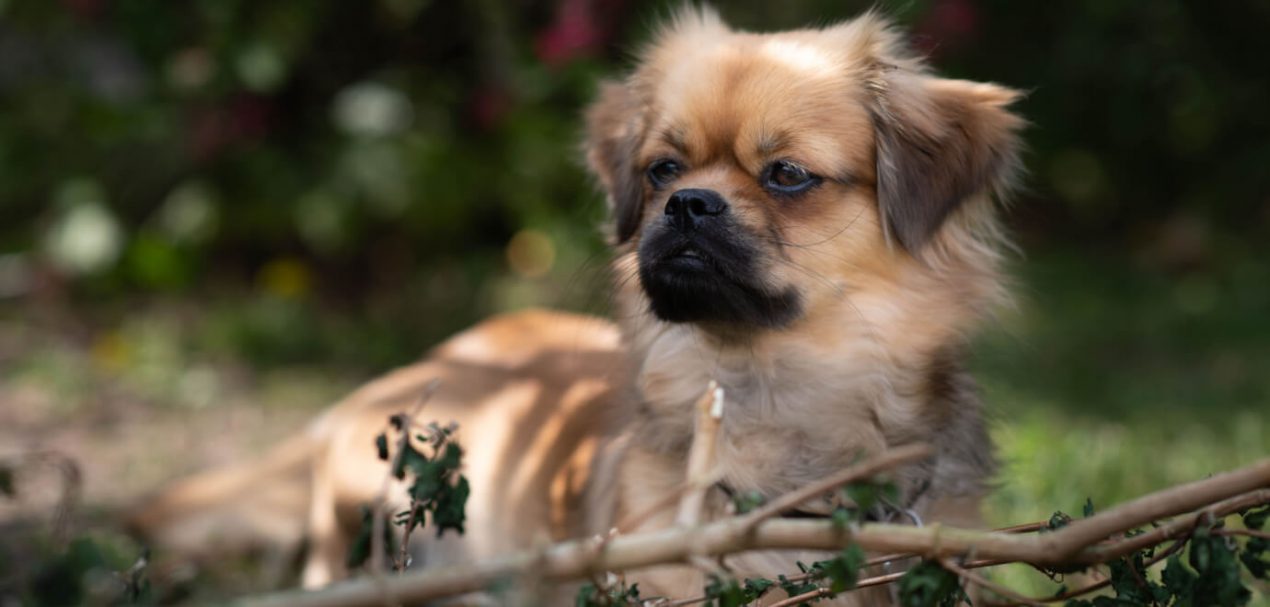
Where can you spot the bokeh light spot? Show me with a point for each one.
(531, 253)
(285, 277)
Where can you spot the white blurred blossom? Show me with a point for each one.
(85, 237)
(372, 109)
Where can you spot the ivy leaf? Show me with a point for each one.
(1252, 557)
(449, 507)
(1256, 519)
(1129, 580)
(841, 516)
(381, 446)
(842, 570)
(1214, 561)
(866, 495)
(1058, 520)
(590, 596)
(451, 457)
(6, 482)
(930, 585)
(359, 550)
(409, 459)
(725, 593)
(415, 517)
(587, 596)
(429, 481)
(757, 587)
(1178, 580)
(748, 501)
(795, 588)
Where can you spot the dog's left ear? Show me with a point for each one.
(939, 141)
(615, 129)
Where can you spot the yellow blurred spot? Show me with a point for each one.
(110, 352)
(531, 253)
(285, 277)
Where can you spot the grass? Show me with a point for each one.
(1111, 381)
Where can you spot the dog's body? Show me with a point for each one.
(803, 217)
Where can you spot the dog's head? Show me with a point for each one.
(754, 179)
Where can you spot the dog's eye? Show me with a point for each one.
(788, 178)
(663, 171)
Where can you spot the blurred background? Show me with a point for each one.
(217, 216)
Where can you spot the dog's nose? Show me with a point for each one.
(688, 208)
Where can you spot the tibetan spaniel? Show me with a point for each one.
(805, 217)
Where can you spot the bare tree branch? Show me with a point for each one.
(1081, 542)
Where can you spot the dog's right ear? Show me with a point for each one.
(615, 129)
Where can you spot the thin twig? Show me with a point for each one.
(377, 512)
(880, 580)
(702, 455)
(637, 519)
(1070, 594)
(72, 483)
(888, 460)
(1265, 535)
(983, 582)
(801, 598)
(1102, 553)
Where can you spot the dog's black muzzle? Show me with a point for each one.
(698, 264)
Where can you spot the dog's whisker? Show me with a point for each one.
(844, 228)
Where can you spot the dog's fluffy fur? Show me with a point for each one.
(834, 316)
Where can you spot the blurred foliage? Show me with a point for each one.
(373, 153)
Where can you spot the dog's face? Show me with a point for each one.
(756, 178)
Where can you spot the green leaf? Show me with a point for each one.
(360, 548)
(586, 596)
(1178, 580)
(7, 487)
(757, 587)
(450, 503)
(590, 596)
(867, 494)
(452, 457)
(381, 446)
(1256, 519)
(1129, 580)
(930, 585)
(725, 593)
(841, 516)
(842, 570)
(748, 501)
(1058, 520)
(415, 517)
(1253, 557)
(795, 588)
(409, 459)
(429, 481)
(1214, 561)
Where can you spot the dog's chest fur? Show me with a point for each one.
(792, 414)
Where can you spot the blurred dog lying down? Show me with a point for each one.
(805, 217)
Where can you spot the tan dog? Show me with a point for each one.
(805, 217)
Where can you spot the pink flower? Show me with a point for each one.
(573, 34)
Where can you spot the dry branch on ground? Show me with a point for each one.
(1082, 542)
